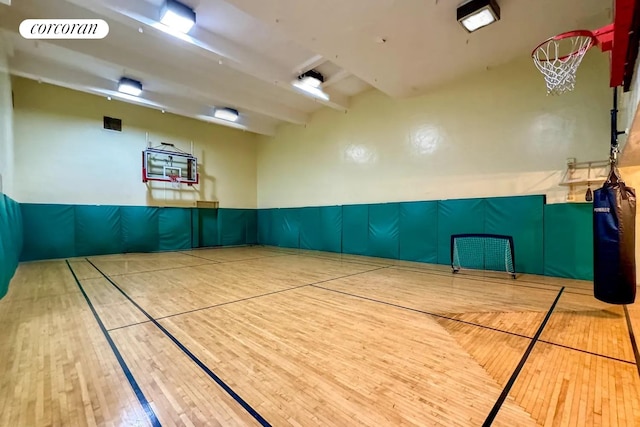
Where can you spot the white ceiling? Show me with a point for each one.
(245, 53)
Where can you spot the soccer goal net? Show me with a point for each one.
(483, 252)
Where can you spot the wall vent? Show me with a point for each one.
(111, 123)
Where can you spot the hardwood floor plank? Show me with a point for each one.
(181, 392)
(310, 348)
(585, 323)
(56, 367)
(609, 389)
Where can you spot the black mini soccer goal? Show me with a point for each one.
(492, 252)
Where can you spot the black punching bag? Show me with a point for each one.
(614, 237)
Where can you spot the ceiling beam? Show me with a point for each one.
(309, 64)
(233, 55)
(197, 86)
(59, 75)
(337, 77)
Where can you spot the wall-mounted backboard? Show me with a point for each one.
(168, 164)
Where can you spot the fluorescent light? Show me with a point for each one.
(313, 90)
(178, 16)
(130, 86)
(311, 81)
(228, 114)
(479, 20)
(476, 14)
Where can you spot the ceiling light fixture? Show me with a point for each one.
(130, 86)
(476, 14)
(177, 16)
(311, 82)
(228, 114)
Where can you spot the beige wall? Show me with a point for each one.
(63, 154)
(6, 126)
(495, 133)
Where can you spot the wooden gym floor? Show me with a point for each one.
(258, 335)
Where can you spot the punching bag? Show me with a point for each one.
(614, 237)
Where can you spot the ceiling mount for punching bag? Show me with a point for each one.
(614, 219)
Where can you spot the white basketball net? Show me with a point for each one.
(559, 59)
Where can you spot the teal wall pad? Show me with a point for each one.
(568, 240)
(11, 240)
(418, 232)
(421, 231)
(64, 231)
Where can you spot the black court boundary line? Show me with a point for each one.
(123, 365)
(211, 262)
(634, 343)
(507, 388)
(264, 295)
(159, 269)
(127, 326)
(192, 356)
(427, 270)
(615, 359)
(415, 310)
(495, 280)
(471, 323)
(195, 256)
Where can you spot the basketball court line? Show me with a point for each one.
(428, 313)
(442, 273)
(161, 269)
(192, 356)
(615, 359)
(516, 372)
(195, 256)
(127, 326)
(634, 343)
(471, 323)
(488, 280)
(249, 298)
(123, 365)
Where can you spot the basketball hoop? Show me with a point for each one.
(175, 181)
(559, 57)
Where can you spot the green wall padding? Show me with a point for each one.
(458, 217)
(355, 229)
(321, 228)
(523, 219)
(276, 231)
(264, 227)
(310, 228)
(49, 231)
(384, 230)
(418, 231)
(139, 228)
(252, 226)
(236, 226)
(11, 240)
(98, 230)
(174, 229)
(290, 237)
(568, 240)
(207, 227)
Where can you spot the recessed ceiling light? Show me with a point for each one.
(228, 114)
(476, 14)
(177, 16)
(311, 82)
(130, 86)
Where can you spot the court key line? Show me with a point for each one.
(123, 365)
(192, 356)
